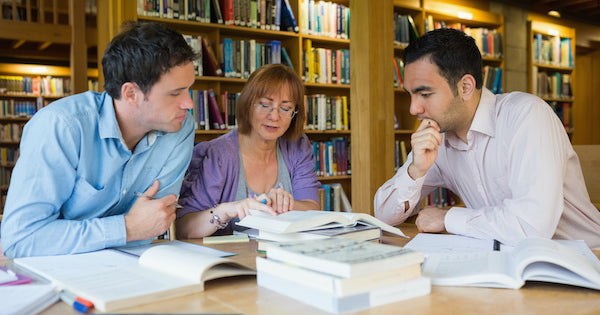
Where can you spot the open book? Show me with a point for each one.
(534, 259)
(113, 280)
(296, 221)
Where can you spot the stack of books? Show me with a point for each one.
(339, 275)
(312, 225)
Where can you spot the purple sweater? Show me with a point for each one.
(212, 177)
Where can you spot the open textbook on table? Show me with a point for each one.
(297, 221)
(474, 262)
(112, 279)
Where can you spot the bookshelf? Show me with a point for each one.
(40, 40)
(551, 67)
(312, 43)
(428, 15)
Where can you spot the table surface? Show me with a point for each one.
(241, 295)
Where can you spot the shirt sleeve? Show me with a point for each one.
(302, 172)
(206, 180)
(399, 197)
(42, 180)
(536, 151)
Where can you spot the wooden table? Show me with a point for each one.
(241, 295)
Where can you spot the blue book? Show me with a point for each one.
(288, 21)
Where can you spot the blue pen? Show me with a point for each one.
(70, 299)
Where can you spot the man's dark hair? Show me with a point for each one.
(454, 53)
(141, 53)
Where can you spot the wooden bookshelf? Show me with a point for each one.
(215, 33)
(554, 70)
(37, 40)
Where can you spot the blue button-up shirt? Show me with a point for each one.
(76, 179)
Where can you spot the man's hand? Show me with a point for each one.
(424, 142)
(431, 220)
(150, 217)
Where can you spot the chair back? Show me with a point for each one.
(589, 158)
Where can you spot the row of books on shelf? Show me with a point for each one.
(551, 85)
(20, 108)
(8, 156)
(5, 174)
(39, 86)
(488, 40)
(239, 58)
(327, 66)
(333, 198)
(11, 131)
(405, 30)
(327, 112)
(400, 154)
(398, 72)
(563, 111)
(262, 14)
(552, 50)
(332, 157)
(492, 79)
(325, 18)
(440, 197)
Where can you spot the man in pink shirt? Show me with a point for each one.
(506, 156)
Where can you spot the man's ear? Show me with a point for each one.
(131, 93)
(466, 86)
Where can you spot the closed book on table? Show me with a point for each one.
(343, 257)
(334, 285)
(359, 232)
(334, 304)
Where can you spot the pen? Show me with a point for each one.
(79, 304)
(496, 245)
(139, 194)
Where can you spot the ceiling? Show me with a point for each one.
(586, 11)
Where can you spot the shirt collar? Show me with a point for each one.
(483, 122)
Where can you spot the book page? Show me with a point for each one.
(374, 221)
(186, 264)
(449, 243)
(547, 260)
(480, 269)
(139, 250)
(293, 221)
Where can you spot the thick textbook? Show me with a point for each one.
(331, 303)
(532, 259)
(343, 257)
(296, 221)
(113, 280)
(334, 285)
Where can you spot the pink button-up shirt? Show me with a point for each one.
(518, 176)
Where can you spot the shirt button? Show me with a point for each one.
(124, 191)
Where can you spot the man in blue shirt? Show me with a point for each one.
(85, 159)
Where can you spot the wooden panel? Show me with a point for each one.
(372, 94)
(589, 158)
(78, 46)
(36, 32)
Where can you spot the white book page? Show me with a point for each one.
(481, 269)
(291, 221)
(139, 250)
(449, 243)
(65, 266)
(372, 220)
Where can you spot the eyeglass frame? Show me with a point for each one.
(279, 108)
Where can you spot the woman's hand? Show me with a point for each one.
(241, 208)
(279, 199)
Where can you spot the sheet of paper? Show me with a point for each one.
(138, 250)
(27, 298)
